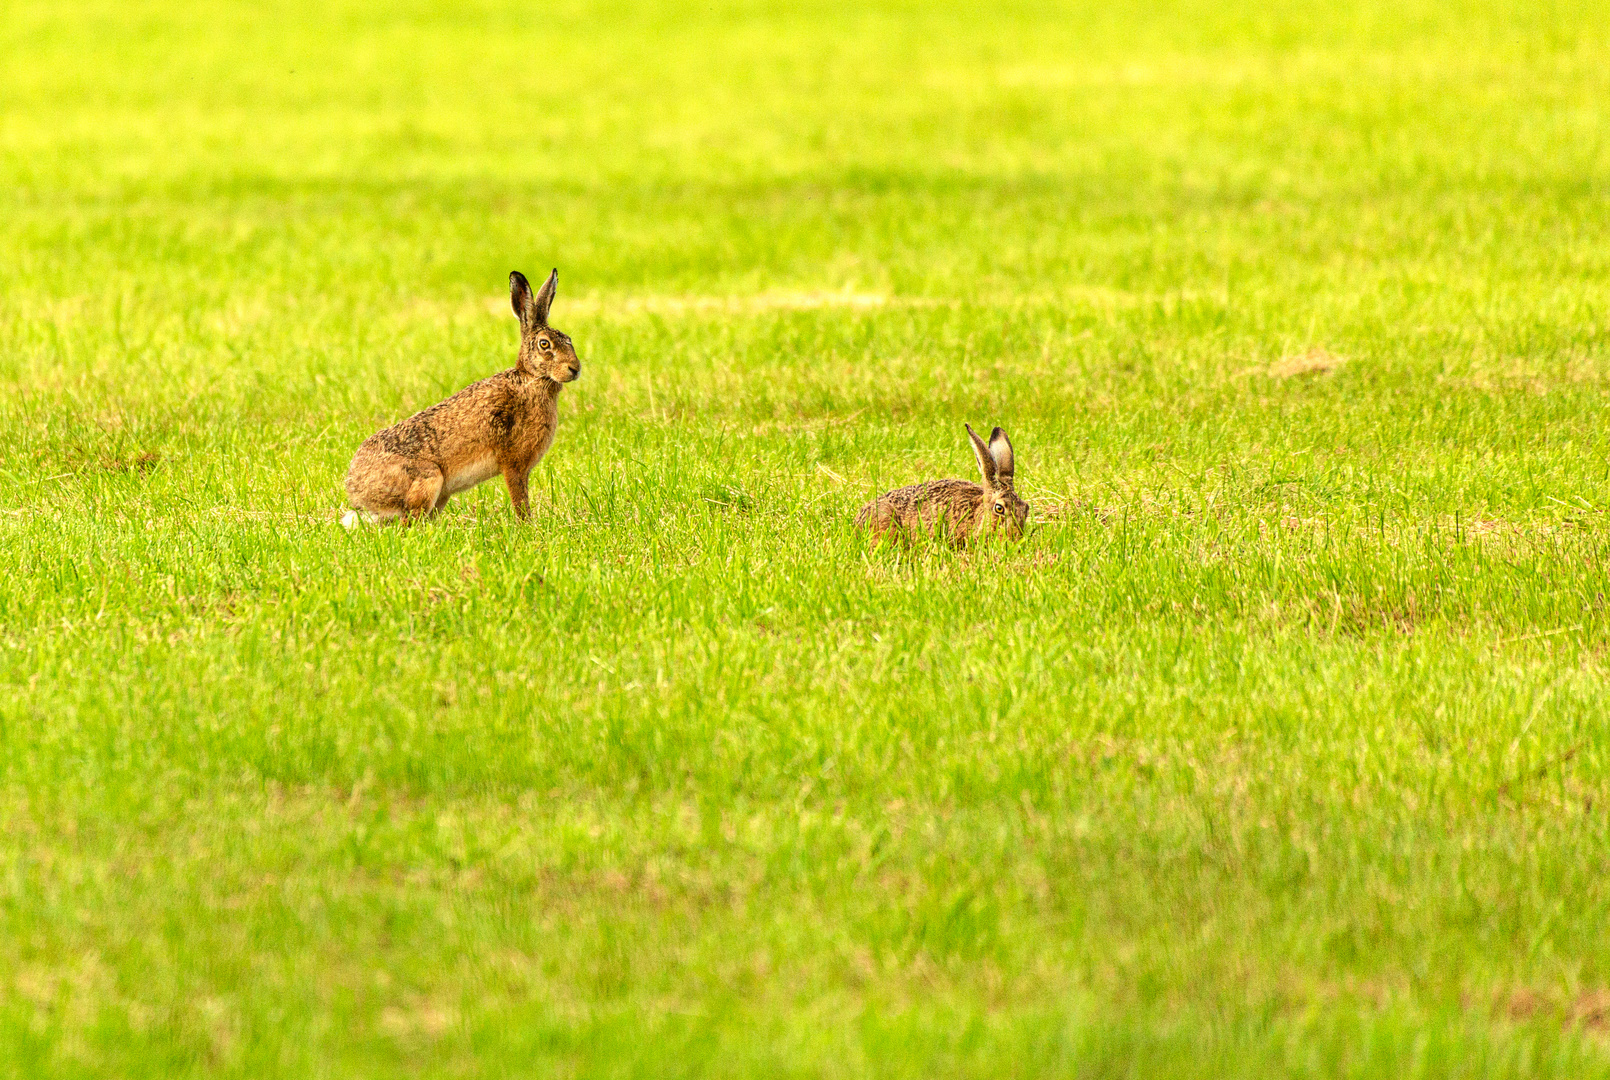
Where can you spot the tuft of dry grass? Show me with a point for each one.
(1314, 361)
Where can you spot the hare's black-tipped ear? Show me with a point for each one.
(520, 297)
(545, 297)
(1000, 448)
(986, 464)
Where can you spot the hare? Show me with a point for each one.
(502, 424)
(960, 508)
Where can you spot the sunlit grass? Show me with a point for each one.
(1275, 748)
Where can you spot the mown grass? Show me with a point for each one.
(1277, 748)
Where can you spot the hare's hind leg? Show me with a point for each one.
(425, 494)
(383, 487)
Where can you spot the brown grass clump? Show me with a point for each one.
(1314, 361)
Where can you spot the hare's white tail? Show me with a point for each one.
(353, 518)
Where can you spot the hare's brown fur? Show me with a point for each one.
(960, 508)
(502, 425)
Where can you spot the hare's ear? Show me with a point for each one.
(544, 298)
(986, 464)
(520, 298)
(1000, 448)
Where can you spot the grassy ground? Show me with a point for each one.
(1277, 748)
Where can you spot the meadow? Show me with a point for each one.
(1276, 748)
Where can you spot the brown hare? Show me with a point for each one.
(956, 509)
(500, 425)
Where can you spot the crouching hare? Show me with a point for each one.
(500, 425)
(960, 509)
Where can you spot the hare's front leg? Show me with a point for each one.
(516, 479)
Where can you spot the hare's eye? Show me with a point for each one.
(1000, 508)
(542, 343)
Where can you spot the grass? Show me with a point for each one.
(1277, 748)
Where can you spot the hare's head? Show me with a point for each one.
(1001, 509)
(544, 351)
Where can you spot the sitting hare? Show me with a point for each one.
(502, 424)
(961, 508)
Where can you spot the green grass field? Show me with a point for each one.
(1277, 748)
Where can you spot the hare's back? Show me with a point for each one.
(459, 426)
(921, 504)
